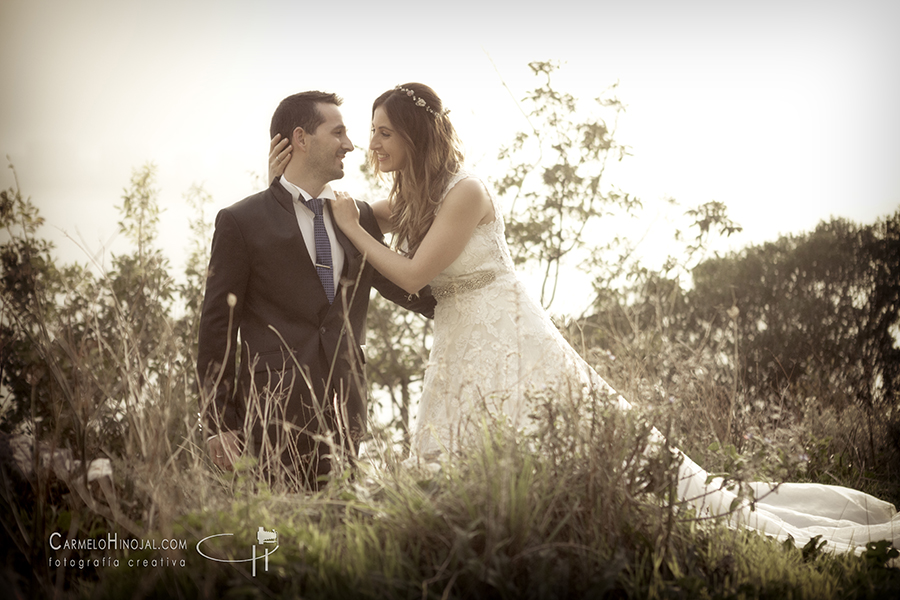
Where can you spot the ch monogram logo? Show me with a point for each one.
(263, 537)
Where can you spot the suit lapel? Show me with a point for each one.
(352, 256)
(352, 264)
(283, 197)
(306, 270)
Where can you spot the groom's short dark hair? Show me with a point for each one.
(299, 110)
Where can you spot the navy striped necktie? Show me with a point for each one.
(323, 262)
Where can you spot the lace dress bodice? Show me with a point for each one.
(486, 251)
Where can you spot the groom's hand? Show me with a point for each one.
(225, 449)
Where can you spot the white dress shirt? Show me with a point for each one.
(305, 221)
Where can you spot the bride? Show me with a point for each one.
(495, 348)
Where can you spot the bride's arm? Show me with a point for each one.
(382, 210)
(464, 207)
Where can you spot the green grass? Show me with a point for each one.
(561, 514)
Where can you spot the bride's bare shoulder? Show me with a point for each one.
(473, 194)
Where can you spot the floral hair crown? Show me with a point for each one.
(421, 102)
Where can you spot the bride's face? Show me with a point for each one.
(386, 143)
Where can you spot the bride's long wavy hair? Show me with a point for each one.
(434, 155)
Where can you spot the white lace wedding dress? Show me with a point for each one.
(494, 348)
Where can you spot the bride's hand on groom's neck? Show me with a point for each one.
(279, 156)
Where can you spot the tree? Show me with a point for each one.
(557, 169)
(78, 351)
(398, 346)
(816, 310)
(815, 319)
(191, 290)
(29, 283)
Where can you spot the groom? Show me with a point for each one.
(285, 278)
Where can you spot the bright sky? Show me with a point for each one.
(785, 111)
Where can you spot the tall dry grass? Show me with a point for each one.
(583, 506)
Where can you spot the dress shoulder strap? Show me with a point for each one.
(456, 178)
(459, 176)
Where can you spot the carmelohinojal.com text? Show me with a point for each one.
(112, 543)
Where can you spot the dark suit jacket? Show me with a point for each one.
(285, 320)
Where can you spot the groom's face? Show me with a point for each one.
(329, 143)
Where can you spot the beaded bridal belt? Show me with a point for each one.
(467, 283)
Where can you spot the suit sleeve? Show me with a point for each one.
(423, 302)
(228, 274)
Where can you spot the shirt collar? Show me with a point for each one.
(298, 193)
